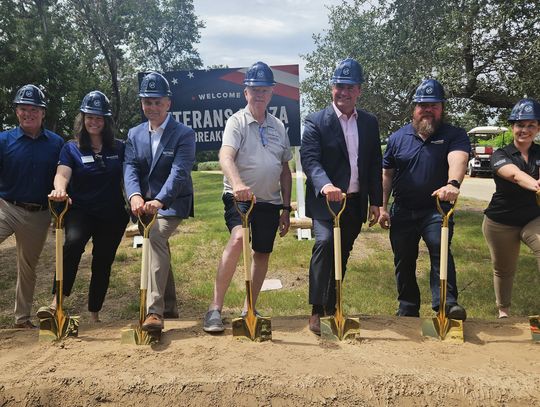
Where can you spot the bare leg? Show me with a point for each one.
(227, 267)
(259, 268)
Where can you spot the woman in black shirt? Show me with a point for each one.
(513, 215)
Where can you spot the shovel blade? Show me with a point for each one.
(136, 336)
(451, 331)
(52, 329)
(534, 321)
(334, 329)
(258, 329)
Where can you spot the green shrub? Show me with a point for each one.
(208, 166)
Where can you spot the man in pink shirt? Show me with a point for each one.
(341, 153)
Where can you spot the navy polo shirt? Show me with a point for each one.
(96, 179)
(511, 204)
(421, 167)
(28, 165)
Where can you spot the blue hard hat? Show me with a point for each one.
(348, 71)
(525, 109)
(30, 95)
(154, 85)
(259, 74)
(96, 103)
(429, 91)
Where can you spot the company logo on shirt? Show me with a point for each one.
(500, 162)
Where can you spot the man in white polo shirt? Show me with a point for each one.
(254, 158)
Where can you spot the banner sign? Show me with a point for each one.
(205, 99)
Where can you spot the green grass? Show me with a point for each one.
(369, 287)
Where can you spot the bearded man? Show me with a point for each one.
(423, 160)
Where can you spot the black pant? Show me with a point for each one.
(106, 236)
(322, 283)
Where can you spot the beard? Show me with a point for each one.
(426, 125)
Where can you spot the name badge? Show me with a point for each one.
(168, 153)
(87, 159)
(112, 157)
(437, 142)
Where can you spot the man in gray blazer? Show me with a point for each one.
(341, 153)
(159, 157)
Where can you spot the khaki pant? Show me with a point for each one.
(504, 242)
(161, 280)
(30, 230)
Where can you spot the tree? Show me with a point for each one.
(163, 34)
(483, 51)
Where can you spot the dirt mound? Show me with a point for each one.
(390, 364)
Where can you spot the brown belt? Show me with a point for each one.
(30, 207)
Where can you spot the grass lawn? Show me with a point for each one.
(196, 249)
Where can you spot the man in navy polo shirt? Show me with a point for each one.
(28, 157)
(424, 159)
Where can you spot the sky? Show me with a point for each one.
(241, 32)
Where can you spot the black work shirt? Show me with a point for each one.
(421, 167)
(511, 204)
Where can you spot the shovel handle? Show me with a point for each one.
(245, 215)
(335, 215)
(58, 216)
(147, 226)
(445, 215)
(245, 241)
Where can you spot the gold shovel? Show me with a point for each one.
(441, 327)
(251, 326)
(61, 325)
(135, 335)
(338, 327)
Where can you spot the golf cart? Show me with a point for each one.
(479, 162)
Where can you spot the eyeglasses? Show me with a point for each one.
(99, 161)
(264, 139)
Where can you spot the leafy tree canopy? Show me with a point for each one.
(486, 53)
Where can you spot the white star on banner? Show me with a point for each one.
(174, 81)
(190, 75)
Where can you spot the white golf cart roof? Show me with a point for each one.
(488, 130)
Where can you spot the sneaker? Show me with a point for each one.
(456, 311)
(213, 322)
(45, 312)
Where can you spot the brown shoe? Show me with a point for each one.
(315, 324)
(153, 322)
(25, 325)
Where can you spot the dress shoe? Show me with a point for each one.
(46, 312)
(25, 325)
(153, 322)
(456, 311)
(315, 324)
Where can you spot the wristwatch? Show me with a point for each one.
(286, 208)
(454, 183)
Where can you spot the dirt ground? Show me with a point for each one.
(389, 364)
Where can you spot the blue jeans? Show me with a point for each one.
(407, 227)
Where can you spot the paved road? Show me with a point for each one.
(479, 188)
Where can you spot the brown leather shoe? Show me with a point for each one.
(153, 322)
(315, 324)
(25, 325)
